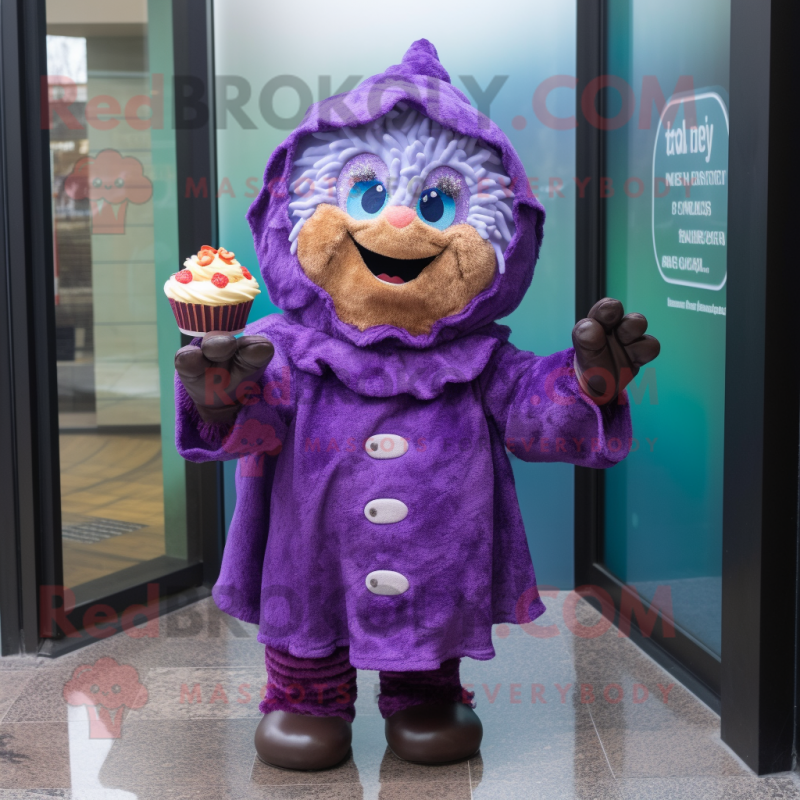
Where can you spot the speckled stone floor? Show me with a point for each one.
(564, 717)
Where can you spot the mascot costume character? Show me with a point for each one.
(377, 525)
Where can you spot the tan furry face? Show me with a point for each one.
(444, 269)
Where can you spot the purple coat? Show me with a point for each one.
(306, 538)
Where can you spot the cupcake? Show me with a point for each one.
(213, 292)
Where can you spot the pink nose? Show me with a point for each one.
(399, 216)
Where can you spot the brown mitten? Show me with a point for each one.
(214, 371)
(610, 348)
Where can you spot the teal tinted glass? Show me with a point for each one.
(666, 257)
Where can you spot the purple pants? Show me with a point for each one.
(326, 687)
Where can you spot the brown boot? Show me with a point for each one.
(434, 733)
(302, 741)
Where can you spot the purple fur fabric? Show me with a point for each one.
(300, 545)
(321, 687)
(400, 690)
(325, 687)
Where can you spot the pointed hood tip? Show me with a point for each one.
(422, 59)
(421, 81)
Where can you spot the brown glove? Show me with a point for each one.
(610, 347)
(231, 362)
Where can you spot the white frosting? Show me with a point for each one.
(201, 289)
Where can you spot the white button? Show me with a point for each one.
(386, 445)
(384, 510)
(384, 581)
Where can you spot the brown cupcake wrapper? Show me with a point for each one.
(196, 319)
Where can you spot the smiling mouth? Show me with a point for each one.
(392, 270)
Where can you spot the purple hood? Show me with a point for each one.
(423, 83)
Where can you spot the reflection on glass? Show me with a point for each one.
(663, 526)
(114, 220)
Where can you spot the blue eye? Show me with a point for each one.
(436, 208)
(366, 199)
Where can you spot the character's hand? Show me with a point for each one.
(610, 348)
(240, 360)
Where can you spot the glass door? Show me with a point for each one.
(654, 102)
(115, 242)
(666, 255)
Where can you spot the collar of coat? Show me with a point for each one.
(383, 370)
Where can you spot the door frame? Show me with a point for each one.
(762, 409)
(29, 462)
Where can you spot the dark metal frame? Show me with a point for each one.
(681, 654)
(30, 536)
(762, 393)
(590, 261)
(195, 140)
